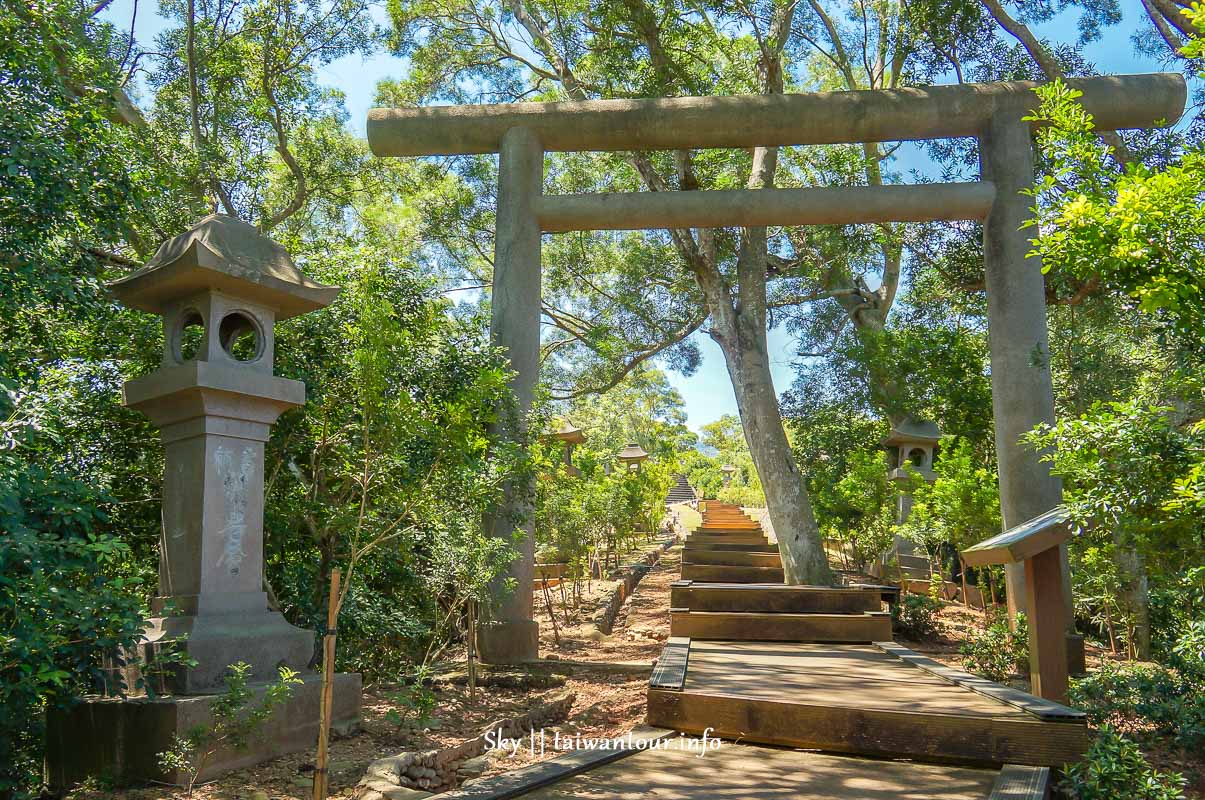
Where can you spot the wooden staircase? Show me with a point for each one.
(812, 699)
(815, 667)
(729, 547)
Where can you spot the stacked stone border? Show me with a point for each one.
(630, 575)
(436, 770)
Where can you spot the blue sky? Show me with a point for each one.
(707, 393)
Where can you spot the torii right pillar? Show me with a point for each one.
(1022, 390)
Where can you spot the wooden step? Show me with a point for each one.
(737, 547)
(734, 537)
(772, 598)
(733, 558)
(864, 627)
(727, 574)
(863, 699)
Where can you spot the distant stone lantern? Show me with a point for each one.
(910, 447)
(220, 288)
(572, 437)
(632, 456)
(728, 471)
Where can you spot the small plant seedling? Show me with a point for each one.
(235, 720)
(414, 704)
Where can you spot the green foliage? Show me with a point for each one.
(414, 703)
(65, 611)
(1122, 464)
(1114, 767)
(915, 617)
(961, 506)
(998, 651)
(868, 513)
(236, 715)
(1141, 230)
(1148, 698)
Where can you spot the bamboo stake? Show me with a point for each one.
(556, 634)
(327, 697)
(473, 652)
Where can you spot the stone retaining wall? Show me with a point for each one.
(436, 770)
(629, 577)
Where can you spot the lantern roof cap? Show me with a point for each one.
(568, 432)
(633, 452)
(225, 254)
(913, 431)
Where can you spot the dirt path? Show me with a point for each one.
(639, 631)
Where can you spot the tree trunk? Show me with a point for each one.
(1136, 591)
(803, 559)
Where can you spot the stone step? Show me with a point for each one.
(857, 628)
(772, 598)
(728, 574)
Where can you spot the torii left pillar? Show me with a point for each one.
(511, 635)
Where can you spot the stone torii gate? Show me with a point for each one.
(1022, 394)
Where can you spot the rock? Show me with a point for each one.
(474, 766)
(402, 793)
(258, 794)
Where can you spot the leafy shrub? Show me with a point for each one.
(63, 612)
(915, 616)
(746, 496)
(1148, 697)
(1115, 768)
(998, 651)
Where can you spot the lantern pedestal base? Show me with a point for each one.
(508, 641)
(119, 740)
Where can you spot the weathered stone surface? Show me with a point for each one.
(120, 738)
(474, 766)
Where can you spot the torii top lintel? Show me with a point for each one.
(1116, 102)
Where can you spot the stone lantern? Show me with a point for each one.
(632, 455)
(727, 471)
(572, 437)
(220, 288)
(910, 446)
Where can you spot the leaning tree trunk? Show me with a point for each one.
(746, 355)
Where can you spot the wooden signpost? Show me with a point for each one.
(1036, 544)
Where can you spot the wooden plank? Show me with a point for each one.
(731, 558)
(1017, 782)
(544, 773)
(1022, 541)
(893, 734)
(741, 627)
(748, 772)
(737, 547)
(712, 572)
(1038, 707)
(1047, 607)
(670, 671)
(773, 598)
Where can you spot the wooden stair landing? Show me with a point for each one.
(880, 700)
(762, 773)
